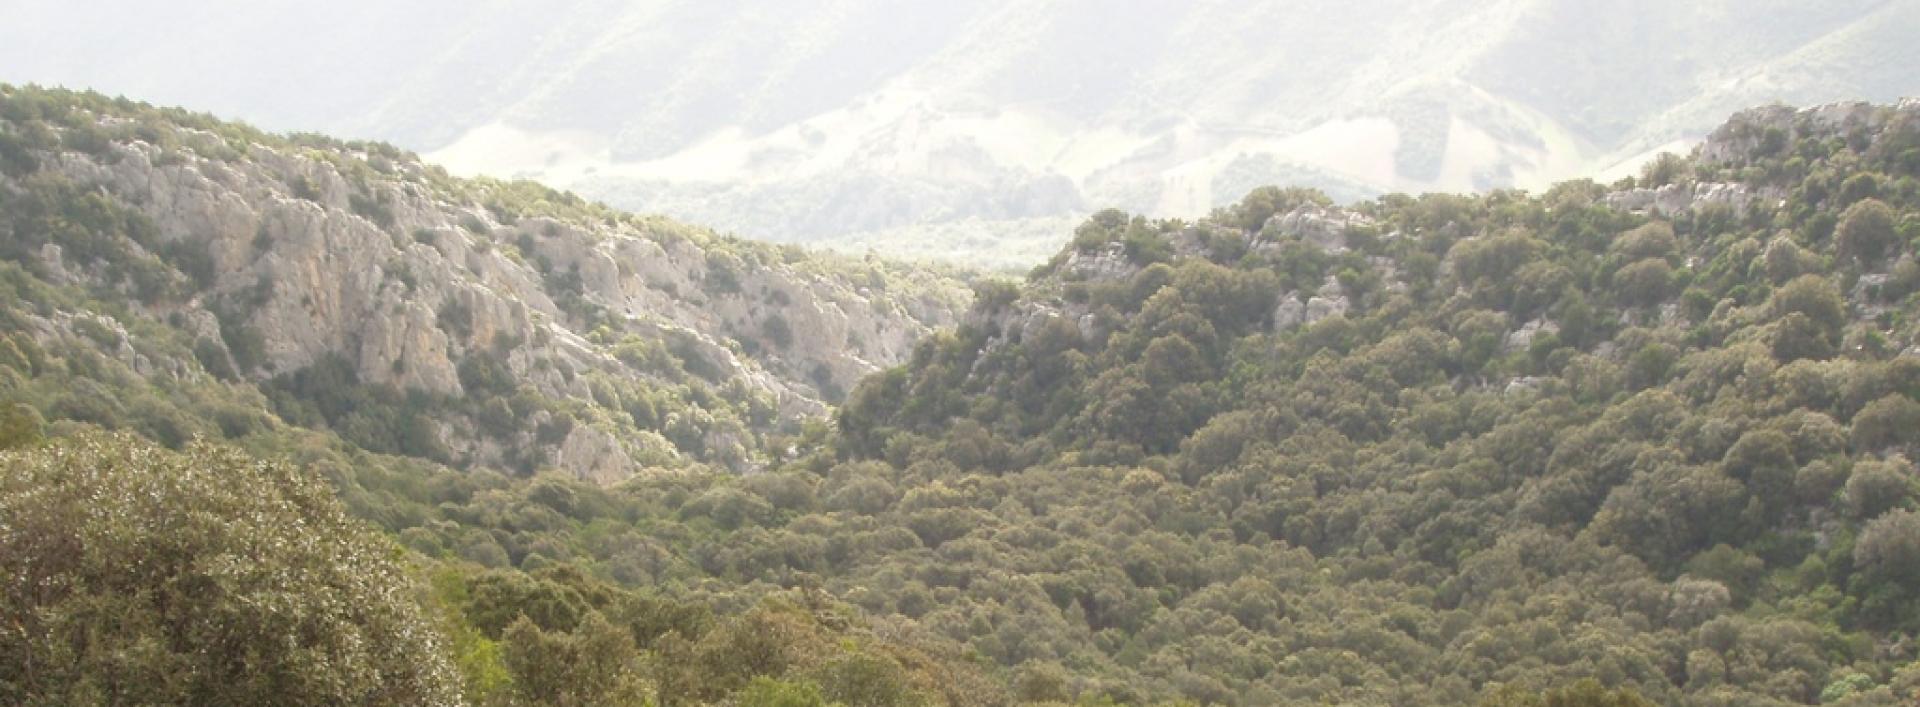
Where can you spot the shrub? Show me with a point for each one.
(777, 331)
(1866, 232)
(1886, 422)
(1644, 283)
(203, 577)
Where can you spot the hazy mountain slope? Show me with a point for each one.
(303, 264)
(857, 121)
(1857, 58)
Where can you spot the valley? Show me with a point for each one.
(1646, 440)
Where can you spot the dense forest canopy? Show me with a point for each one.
(1643, 442)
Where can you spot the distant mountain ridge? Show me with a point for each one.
(974, 129)
(986, 123)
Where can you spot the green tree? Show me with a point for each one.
(140, 575)
(1889, 547)
(1665, 169)
(768, 692)
(20, 426)
(1653, 240)
(1644, 283)
(861, 680)
(1866, 232)
(591, 665)
(1889, 421)
(1876, 487)
(1813, 296)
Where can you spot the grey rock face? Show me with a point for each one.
(1682, 199)
(1108, 263)
(1319, 308)
(1290, 312)
(1523, 385)
(1321, 226)
(1748, 132)
(330, 254)
(1523, 337)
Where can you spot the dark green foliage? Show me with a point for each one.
(376, 417)
(1866, 232)
(1886, 422)
(592, 664)
(1665, 169)
(484, 374)
(372, 207)
(1585, 693)
(724, 271)
(89, 227)
(776, 330)
(20, 426)
(1877, 486)
(212, 356)
(144, 576)
(1252, 212)
(456, 318)
(768, 692)
(1644, 283)
(192, 259)
(1889, 547)
(693, 359)
(16, 159)
(243, 340)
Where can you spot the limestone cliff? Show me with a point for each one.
(277, 255)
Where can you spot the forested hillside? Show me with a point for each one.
(1646, 442)
(1657, 433)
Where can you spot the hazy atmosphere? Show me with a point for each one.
(977, 353)
(979, 129)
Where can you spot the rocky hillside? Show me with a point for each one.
(1740, 174)
(506, 324)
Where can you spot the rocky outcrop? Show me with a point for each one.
(1322, 226)
(1110, 262)
(372, 257)
(595, 455)
(1758, 132)
(1295, 309)
(1683, 199)
(1747, 132)
(1522, 338)
(1289, 312)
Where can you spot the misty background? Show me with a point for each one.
(980, 130)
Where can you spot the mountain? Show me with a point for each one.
(980, 130)
(1642, 442)
(477, 323)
